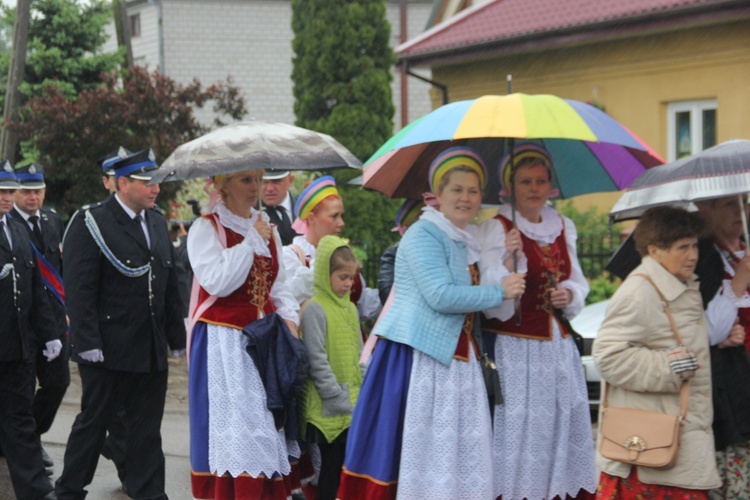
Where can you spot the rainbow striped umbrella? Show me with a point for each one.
(590, 150)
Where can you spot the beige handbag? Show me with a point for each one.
(642, 437)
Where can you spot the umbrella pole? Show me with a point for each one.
(517, 300)
(744, 218)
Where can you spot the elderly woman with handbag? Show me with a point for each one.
(655, 438)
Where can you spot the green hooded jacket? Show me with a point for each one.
(329, 326)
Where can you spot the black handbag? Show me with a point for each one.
(489, 370)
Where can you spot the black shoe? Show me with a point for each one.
(46, 459)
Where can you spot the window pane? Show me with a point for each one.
(684, 144)
(709, 128)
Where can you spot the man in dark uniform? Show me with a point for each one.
(27, 324)
(45, 229)
(114, 445)
(125, 315)
(278, 202)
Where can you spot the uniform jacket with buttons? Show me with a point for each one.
(111, 311)
(630, 352)
(26, 319)
(433, 293)
(52, 228)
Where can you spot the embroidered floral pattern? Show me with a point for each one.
(734, 469)
(630, 488)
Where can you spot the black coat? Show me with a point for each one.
(52, 234)
(286, 233)
(26, 318)
(111, 311)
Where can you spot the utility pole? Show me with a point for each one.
(404, 70)
(122, 26)
(9, 138)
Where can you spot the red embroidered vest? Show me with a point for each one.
(743, 313)
(467, 330)
(536, 309)
(243, 306)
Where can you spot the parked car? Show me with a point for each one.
(587, 323)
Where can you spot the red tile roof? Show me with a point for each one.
(505, 21)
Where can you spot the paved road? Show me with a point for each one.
(106, 486)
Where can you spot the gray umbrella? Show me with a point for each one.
(720, 171)
(254, 145)
(723, 170)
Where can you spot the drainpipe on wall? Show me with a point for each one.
(443, 88)
(404, 35)
(160, 23)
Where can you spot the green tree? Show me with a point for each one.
(65, 40)
(342, 75)
(342, 71)
(135, 109)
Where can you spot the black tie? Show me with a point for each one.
(138, 219)
(3, 237)
(284, 217)
(34, 219)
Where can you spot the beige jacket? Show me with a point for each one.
(630, 353)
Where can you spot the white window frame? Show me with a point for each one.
(135, 25)
(696, 109)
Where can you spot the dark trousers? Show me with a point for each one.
(142, 396)
(18, 437)
(54, 379)
(116, 443)
(332, 460)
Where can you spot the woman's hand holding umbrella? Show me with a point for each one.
(513, 244)
(514, 285)
(263, 228)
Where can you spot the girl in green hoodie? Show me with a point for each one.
(329, 326)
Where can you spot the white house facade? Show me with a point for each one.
(251, 41)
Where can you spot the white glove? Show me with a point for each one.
(94, 355)
(178, 353)
(53, 349)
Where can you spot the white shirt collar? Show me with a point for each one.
(454, 232)
(545, 232)
(128, 210)
(24, 214)
(287, 204)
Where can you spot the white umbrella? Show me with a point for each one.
(254, 145)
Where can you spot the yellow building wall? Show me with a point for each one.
(632, 78)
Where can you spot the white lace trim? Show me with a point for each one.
(242, 436)
(454, 232)
(543, 445)
(447, 440)
(545, 232)
(243, 226)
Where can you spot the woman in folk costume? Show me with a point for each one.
(421, 427)
(236, 451)
(319, 211)
(543, 448)
(724, 274)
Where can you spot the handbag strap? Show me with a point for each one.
(685, 388)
